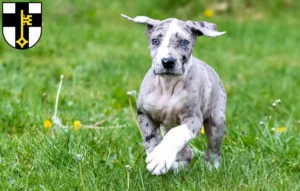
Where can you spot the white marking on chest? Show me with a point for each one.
(165, 108)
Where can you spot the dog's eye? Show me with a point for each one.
(183, 42)
(155, 41)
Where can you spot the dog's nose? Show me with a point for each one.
(168, 63)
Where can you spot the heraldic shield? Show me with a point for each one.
(22, 24)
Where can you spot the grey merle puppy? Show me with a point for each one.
(178, 95)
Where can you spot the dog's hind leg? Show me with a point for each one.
(214, 129)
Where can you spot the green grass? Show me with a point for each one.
(102, 56)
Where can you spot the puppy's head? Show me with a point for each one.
(171, 42)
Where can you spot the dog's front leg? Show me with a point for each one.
(150, 132)
(164, 155)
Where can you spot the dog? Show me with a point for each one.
(179, 95)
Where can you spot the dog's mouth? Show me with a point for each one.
(168, 72)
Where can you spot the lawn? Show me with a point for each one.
(102, 56)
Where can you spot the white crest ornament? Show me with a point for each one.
(21, 24)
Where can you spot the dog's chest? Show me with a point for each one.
(165, 108)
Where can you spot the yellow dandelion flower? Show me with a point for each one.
(77, 125)
(280, 129)
(208, 13)
(47, 124)
(202, 130)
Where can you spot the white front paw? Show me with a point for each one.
(161, 159)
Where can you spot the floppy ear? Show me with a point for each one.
(204, 28)
(142, 20)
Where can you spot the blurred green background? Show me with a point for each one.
(102, 56)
